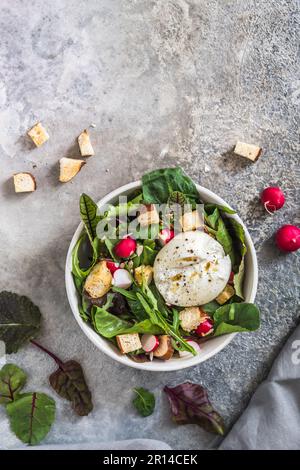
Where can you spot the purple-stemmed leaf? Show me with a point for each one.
(190, 405)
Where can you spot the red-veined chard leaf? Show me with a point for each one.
(31, 416)
(190, 405)
(12, 380)
(69, 382)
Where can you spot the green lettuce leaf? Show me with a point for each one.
(159, 185)
(234, 317)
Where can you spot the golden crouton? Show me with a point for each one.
(143, 273)
(69, 167)
(99, 280)
(38, 134)
(252, 152)
(129, 342)
(227, 293)
(191, 221)
(86, 148)
(24, 182)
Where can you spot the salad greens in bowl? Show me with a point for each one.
(161, 273)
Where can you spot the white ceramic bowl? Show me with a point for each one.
(209, 348)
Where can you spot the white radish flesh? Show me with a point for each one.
(122, 278)
(187, 354)
(149, 342)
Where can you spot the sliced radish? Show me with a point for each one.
(149, 343)
(187, 353)
(165, 235)
(122, 278)
(112, 266)
(125, 248)
(205, 327)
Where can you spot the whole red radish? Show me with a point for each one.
(272, 198)
(125, 247)
(288, 238)
(112, 266)
(166, 235)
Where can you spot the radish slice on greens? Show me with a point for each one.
(122, 278)
(187, 353)
(149, 342)
(112, 266)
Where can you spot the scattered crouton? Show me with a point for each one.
(84, 141)
(129, 342)
(143, 272)
(99, 280)
(252, 152)
(38, 134)
(227, 293)
(191, 221)
(165, 349)
(148, 215)
(190, 318)
(69, 167)
(24, 182)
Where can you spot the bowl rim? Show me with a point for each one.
(101, 343)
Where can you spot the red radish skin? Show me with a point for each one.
(166, 235)
(122, 278)
(125, 248)
(112, 266)
(149, 343)
(272, 199)
(205, 327)
(288, 238)
(231, 278)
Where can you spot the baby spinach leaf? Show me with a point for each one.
(12, 380)
(210, 307)
(109, 325)
(89, 215)
(144, 401)
(158, 185)
(20, 320)
(225, 239)
(215, 222)
(149, 252)
(79, 273)
(31, 416)
(238, 236)
(210, 207)
(234, 317)
(190, 405)
(238, 279)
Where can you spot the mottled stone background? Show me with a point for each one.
(166, 82)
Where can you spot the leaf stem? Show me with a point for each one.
(58, 361)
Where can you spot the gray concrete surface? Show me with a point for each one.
(166, 82)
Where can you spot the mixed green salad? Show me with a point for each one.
(157, 285)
